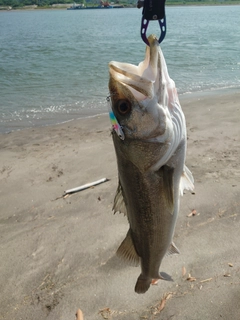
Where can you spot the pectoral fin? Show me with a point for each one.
(127, 251)
(167, 176)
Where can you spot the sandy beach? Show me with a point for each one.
(58, 253)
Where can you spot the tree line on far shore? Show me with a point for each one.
(48, 3)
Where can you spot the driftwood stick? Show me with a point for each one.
(85, 186)
(79, 315)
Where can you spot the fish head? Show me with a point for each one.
(139, 96)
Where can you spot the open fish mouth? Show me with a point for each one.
(141, 80)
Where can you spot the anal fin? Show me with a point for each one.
(127, 252)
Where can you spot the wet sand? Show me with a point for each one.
(58, 254)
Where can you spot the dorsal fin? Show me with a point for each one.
(119, 203)
(173, 249)
(127, 252)
(186, 182)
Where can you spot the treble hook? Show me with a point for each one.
(153, 10)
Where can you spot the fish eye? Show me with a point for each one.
(123, 107)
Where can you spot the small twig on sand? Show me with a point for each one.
(86, 186)
(79, 315)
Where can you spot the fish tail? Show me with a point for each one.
(142, 284)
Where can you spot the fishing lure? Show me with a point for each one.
(115, 125)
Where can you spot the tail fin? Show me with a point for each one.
(142, 284)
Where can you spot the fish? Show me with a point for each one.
(150, 140)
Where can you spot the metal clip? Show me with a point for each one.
(153, 10)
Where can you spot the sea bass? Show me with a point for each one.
(149, 136)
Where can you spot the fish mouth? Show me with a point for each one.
(142, 80)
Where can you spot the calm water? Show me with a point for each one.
(54, 64)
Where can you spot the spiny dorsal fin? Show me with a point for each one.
(172, 249)
(119, 203)
(186, 182)
(127, 252)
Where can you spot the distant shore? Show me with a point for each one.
(65, 6)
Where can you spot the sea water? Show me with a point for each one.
(54, 63)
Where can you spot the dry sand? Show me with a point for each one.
(58, 255)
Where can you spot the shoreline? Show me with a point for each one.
(89, 114)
